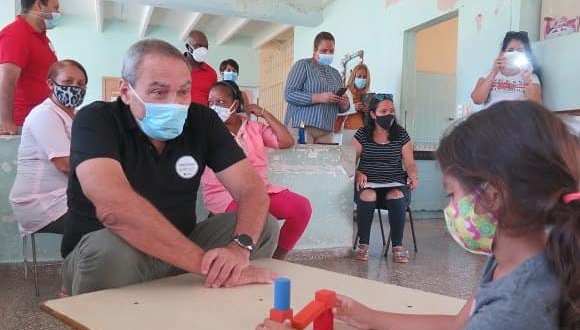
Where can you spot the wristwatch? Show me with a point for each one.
(244, 241)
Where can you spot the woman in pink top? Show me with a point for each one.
(254, 137)
(38, 196)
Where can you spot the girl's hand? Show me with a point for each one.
(271, 325)
(352, 312)
(360, 107)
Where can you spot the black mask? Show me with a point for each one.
(386, 121)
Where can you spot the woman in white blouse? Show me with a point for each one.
(38, 196)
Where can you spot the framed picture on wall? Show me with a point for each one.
(110, 88)
(559, 18)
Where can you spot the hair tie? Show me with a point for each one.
(568, 198)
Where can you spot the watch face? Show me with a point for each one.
(245, 240)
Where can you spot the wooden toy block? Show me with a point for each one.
(327, 297)
(325, 321)
(280, 316)
(308, 314)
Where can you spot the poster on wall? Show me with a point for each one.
(559, 18)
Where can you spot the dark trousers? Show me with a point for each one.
(396, 207)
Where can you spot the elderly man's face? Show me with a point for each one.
(160, 79)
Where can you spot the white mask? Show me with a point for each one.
(223, 113)
(199, 54)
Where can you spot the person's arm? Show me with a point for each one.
(132, 217)
(410, 166)
(294, 91)
(284, 139)
(62, 164)
(533, 88)
(9, 74)
(362, 317)
(360, 177)
(49, 132)
(483, 86)
(224, 266)
(481, 91)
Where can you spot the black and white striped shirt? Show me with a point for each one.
(382, 163)
(306, 78)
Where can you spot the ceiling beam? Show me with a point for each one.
(195, 17)
(296, 13)
(99, 16)
(264, 36)
(230, 29)
(145, 20)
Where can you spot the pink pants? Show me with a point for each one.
(293, 208)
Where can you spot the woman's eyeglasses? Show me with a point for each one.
(381, 97)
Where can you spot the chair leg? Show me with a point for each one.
(34, 265)
(412, 229)
(385, 247)
(25, 256)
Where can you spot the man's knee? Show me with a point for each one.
(268, 240)
(103, 260)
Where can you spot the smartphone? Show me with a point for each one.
(340, 91)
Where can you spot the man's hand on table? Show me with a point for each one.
(230, 266)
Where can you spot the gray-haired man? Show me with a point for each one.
(136, 165)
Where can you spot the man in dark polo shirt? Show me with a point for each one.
(26, 54)
(203, 76)
(136, 165)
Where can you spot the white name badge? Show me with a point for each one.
(186, 167)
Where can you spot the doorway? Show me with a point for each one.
(430, 80)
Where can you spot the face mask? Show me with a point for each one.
(230, 75)
(199, 54)
(49, 23)
(163, 121)
(325, 59)
(473, 232)
(223, 113)
(69, 96)
(386, 121)
(360, 83)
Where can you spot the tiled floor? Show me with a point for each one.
(440, 267)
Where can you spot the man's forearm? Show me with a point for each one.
(252, 211)
(135, 220)
(7, 91)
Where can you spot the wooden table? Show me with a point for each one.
(182, 302)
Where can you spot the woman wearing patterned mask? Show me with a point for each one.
(254, 137)
(38, 196)
(515, 75)
(514, 197)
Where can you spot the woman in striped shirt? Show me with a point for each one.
(310, 93)
(385, 173)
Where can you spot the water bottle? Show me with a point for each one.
(301, 134)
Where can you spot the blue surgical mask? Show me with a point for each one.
(49, 23)
(325, 59)
(360, 83)
(230, 75)
(162, 121)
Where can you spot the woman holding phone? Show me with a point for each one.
(515, 74)
(315, 93)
